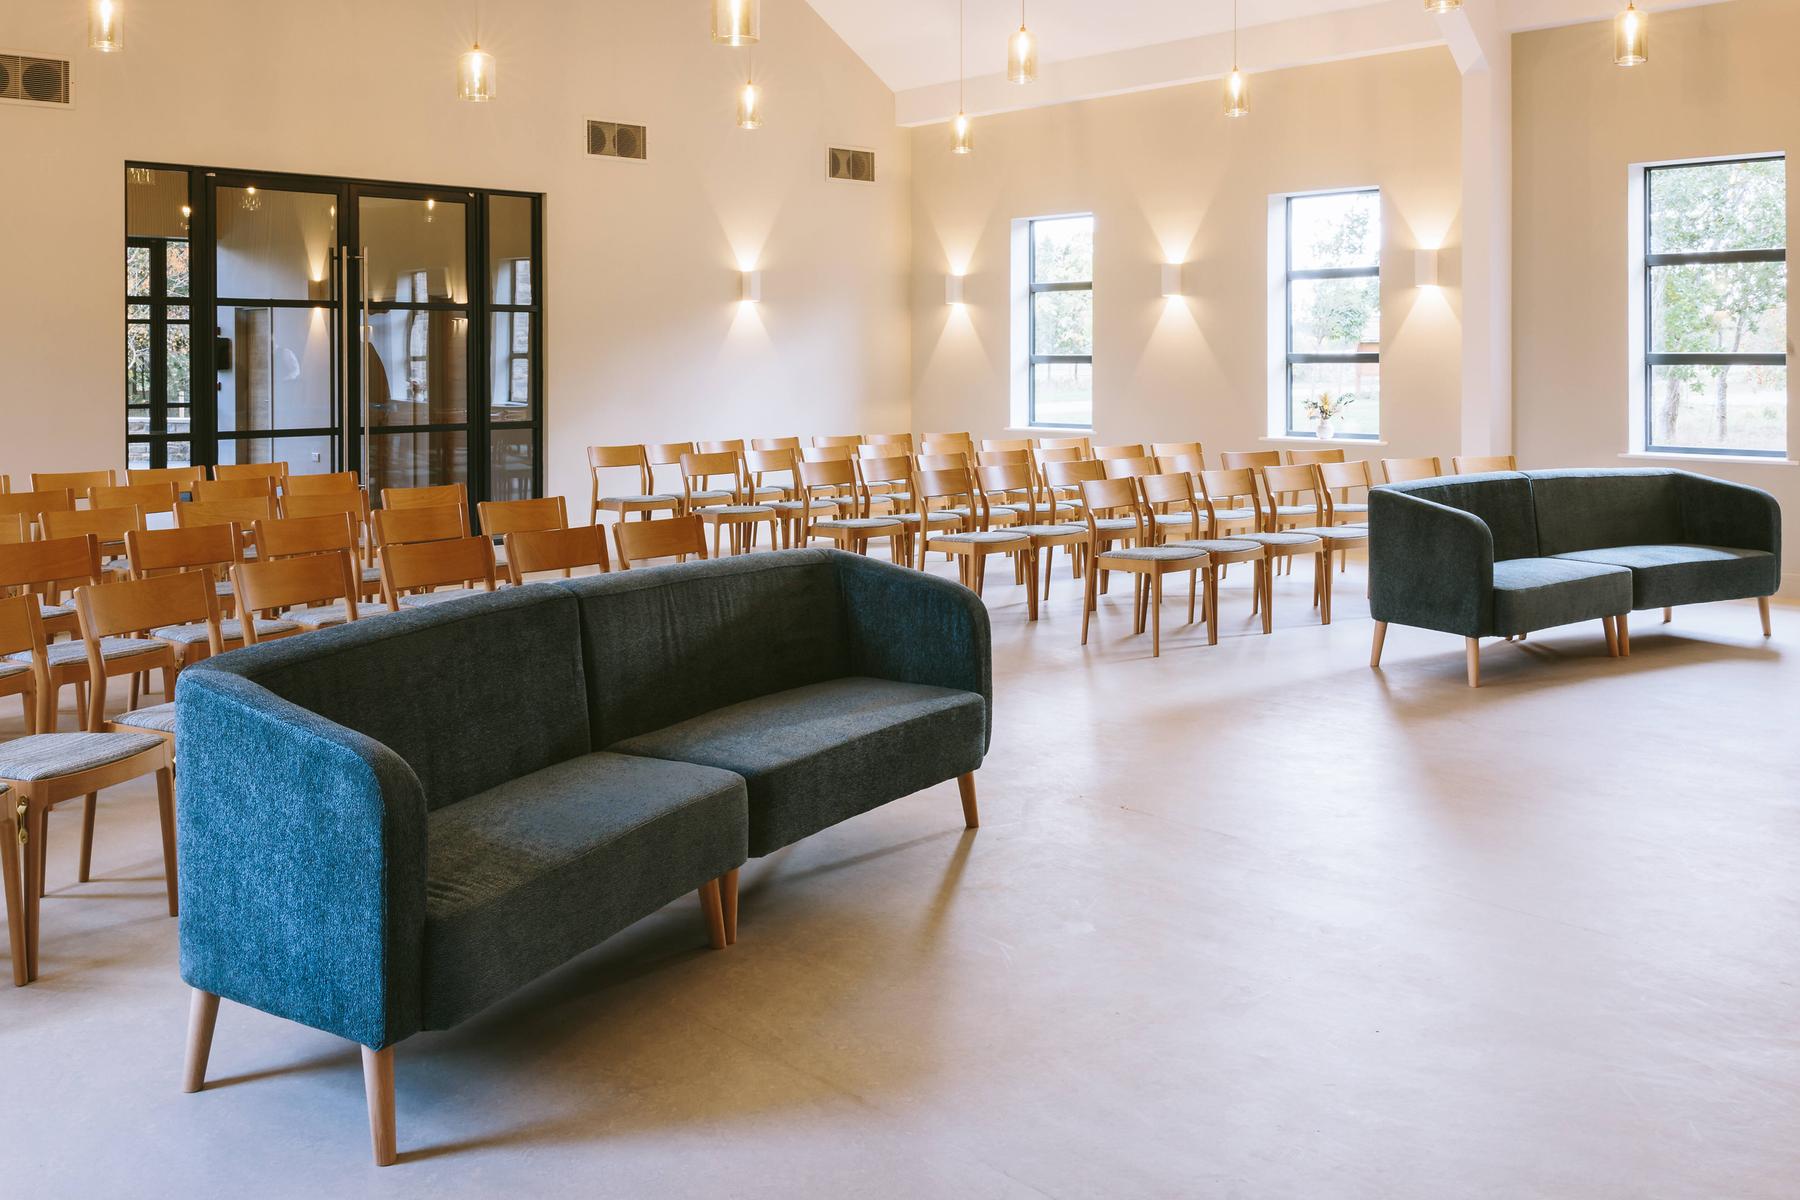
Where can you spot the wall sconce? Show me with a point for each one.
(953, 290)
(750, 287)
(1173, 286)
(1425, 268)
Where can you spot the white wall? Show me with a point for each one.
(646, 339)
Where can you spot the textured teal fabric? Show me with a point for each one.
(1665, 576)
(1502, 501)
(1431, 565)
(530, 874)
(1586, 510)
(1715, 512)
(1542, 593)
(818, 755)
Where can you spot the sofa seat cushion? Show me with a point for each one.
(1542, 593)
(525, 876)
(1663, 576)
(819, 754)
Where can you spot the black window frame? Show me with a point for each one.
(1290, 276)
(1653, 360)
(1032, 357)
(158, 436)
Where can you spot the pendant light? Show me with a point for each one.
(737, 22)
(475, 76)
(1237, 90)
(1442, 6)
(1631, 37)
(962, 141)
(750, 105)
(106, 32)
(1021, 53)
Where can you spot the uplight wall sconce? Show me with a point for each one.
(750, 287)
(1425, 268)
(1173, 284)
(953, 290)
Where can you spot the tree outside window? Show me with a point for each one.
(1334, 310)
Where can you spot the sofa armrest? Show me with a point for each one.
(912, 627)
(1717, 512)
(1430, 565)
(302, 862)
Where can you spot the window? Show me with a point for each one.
(1333, 314)
(1715, 308)
(1061, 336)
(158, 323)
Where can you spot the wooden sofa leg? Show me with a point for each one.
(378, 1086)
(1762, 606)
(1474, 646)
(713, 910)
(1623, 621)
(203, 1014)
(1612, 636)
(728, 901)
(971, 815)
(1668, 615)
(1380, 641)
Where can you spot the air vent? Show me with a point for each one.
(855, 166)
(609, 139)
(27, 79)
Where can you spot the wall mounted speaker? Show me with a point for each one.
(850, 165)
(610, 139)
(29, 79)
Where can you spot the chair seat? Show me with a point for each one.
(1235, 514)
(860, 523)
(1115, 525)
(525, 876)
(427, 599)
(230, 630)
(160, 718)
(936, 517)
(1221, 547)
(1078, 532)
(49, 755)
(55, 610)
(371, 574)
(736, 510)
(8, 669)
(327, 615)
(1348, 507)
(639, 501)
(813, 756)
(983, 537)
(1175, 553)
(798, 506)
(1290, 541)
(1542, 593)
(1663, 576)
(1337, 533)
(1176, 518)
(61, 654)
(1296, 510)
(711, 494)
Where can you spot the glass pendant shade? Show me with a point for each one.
(1631, 37)
(1021, 57)
(1442, 6)
(1237, 94)
(750, 107)
(475, 76)
(106, 31)
(962, 136)
(737, 22)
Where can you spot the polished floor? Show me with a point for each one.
(1246, 921)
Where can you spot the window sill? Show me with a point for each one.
(1319, 441)
(1051, 430)
(1747, 460)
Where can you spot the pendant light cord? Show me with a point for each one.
(962, 71)
(1234, 34)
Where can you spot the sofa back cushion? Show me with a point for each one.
(664, 644)
(1593, 509)
(471, 693)
(1501, 500)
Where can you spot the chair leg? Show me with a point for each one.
(712, 908)
(1265, 581)
(1474, 653)
(15, 895)
(1322, 569)
(378, 1086)
(1211, 605)
(41, 839)
(35, 824)
(1612, 636)
(165, 805)
(203, 1013)
(1087, 601)
(90, 803)
(1156, 581)
(966, 785)
(1762, 606)
(1623, 621)
(728, 904)
(1380, 641)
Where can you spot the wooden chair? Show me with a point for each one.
(1336, 539)
(183, 478)
(1336, 483)
(301, 537)
(501, 517)
(1235, 512)
(29, 680)
(887, 484)
(964, 438)
(892, 442)
(776, 443)
(46, 568)
(337, 483)
(1015, 478)
(109, 525)
(1083, 444)
(14, 529)
(1127, 466)
(243, 513)
(244, 488)
(937, 445)
(668, 537)
(78, 482)
(147, 497)
(34, 504)
(1250, 460)
(668, 454)
(1000, 444)
(644, 501)
(539, 551)
(1308, 458)
(1292, 484)
(1174, 492)
(849, 441)
(407, 526)
(210, 549)
(1402, 470)
(1129, 450)
(1473, 464)
(976, 540)
(1145, 562)
(855, 531)
(735, 514)
(790, 513)
(312, 591)
(353, 505)
(1042, 458)
(829, 453)
(435, 496)
(1194, 451)
(755, 491)
(412, 572)
(42, 770)
(276, 471)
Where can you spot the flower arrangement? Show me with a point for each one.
(1323, 408)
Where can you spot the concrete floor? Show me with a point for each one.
(1248, 921)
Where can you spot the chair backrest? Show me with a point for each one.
(1405, 470)
(1303, 458)
(1193, 464)
(1286, 479)
(699, 470)
(406, 526)
(1083, 444)
(412, 566)
(1173, 489)
(1129, 450)
(831, 476)
(1254, 460)
(964, 438)
(1074, 472)
(1102, 496)
(76, 481)
(269, 470)
(989, 444)
(501, 517)
(1127, 466)
(946, 448)
(184, 478)
(779, 443)
(109, 609)
(191, 514)
(828, 453)
(1010, 479)
(110, 525)
(434, 496)
(1228, 485)
(51, 563)
(851, 440)
(671, 537)
(666, 454)
(892, 469)
(34, 504)
(328, 577)
(1475, 464)
(353, 504)
(149, 497)
(335, 484)
(291, 536)
(236, 488)
(1342, 476)
(199, 547)
(956, 458)
(534, 551)
(902, 440)
(770, 462)
(1194, 450)
(1003, 458)
(733, 446)
(610, 458)
(14, 528)
(955, 483)
(22, 631)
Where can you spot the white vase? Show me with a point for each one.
(1324, 428)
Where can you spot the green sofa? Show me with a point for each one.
(1508, 554)
(386, 827)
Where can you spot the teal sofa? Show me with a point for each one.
(387, 827)
(1508, 554)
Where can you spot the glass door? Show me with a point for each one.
(278, 333)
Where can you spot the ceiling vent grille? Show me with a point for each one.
(609, 139)
(29, 79)
(853, 166)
